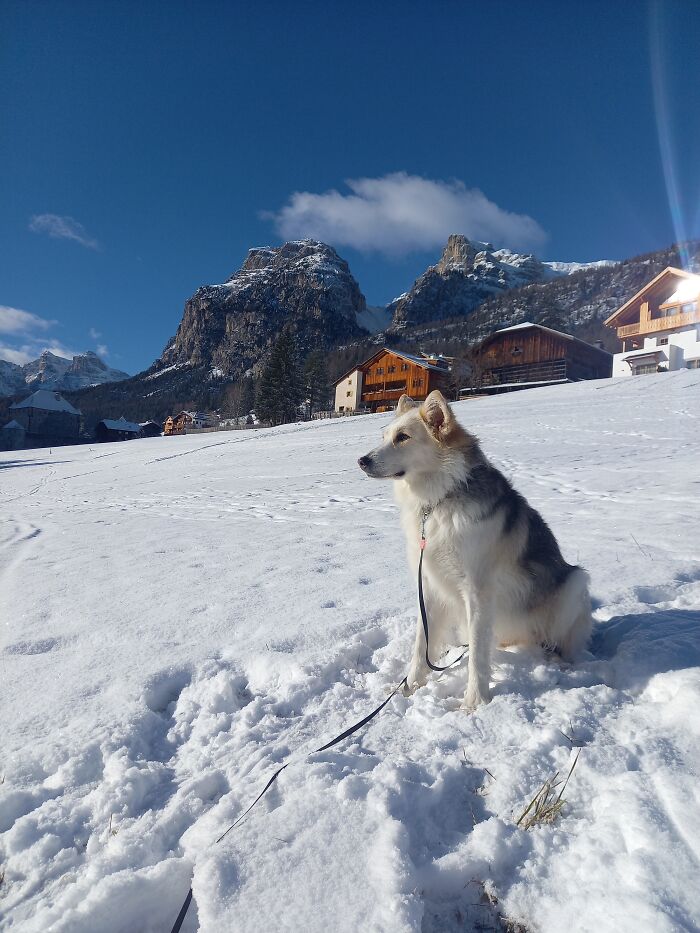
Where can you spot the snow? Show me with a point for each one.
(46, 400)
(183, 615)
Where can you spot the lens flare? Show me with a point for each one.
(663, 128)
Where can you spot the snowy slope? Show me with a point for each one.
(181, 615)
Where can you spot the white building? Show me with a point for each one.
(659, 327)
(348, 391)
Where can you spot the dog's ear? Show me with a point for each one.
(437, 414)
(405, 404)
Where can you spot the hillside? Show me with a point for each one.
(184, 615)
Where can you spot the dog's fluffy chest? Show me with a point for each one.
(453, 550)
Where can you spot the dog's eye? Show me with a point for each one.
(401, 437)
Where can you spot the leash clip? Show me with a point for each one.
(426, 513)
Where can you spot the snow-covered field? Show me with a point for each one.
(182, 615)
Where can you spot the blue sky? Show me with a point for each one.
(146, 146)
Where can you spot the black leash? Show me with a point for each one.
(348, 732)
(421, 600)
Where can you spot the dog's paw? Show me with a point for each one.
(474, 699)
(410, 687)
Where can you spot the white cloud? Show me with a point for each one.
(15, 355)
(16, 321)
(27, 335)
(401, 213)
(62, 228)
(95, 334)
(102, 349)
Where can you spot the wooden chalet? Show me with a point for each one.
(119, 430)
(529, 355)
(659, 327)
(379, 382)
(177, 424)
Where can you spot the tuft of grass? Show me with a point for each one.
(547, 804)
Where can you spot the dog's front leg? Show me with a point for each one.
(480, 639)
(418, 670)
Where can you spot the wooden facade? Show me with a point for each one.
(389, 374)
(176, 424)
(668, 302)
(529, 355)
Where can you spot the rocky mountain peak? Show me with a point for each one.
(460, 253)
(303, 287)
(50, 371)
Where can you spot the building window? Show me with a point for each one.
(417, 382)
(380, 370)
(348, 394)
(404, 367)
(692, 364)
(662, 341)
(689, 307)
(516, 351)
(644, 369)
(391, 369)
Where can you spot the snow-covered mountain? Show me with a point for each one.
(50, 371)
(468, 273)
(303, 287)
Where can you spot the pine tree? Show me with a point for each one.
(280, 390)
(316, 383)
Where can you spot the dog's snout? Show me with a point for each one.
(364, 462)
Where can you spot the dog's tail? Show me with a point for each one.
(574, 620)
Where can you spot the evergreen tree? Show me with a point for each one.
(316, 384)
(280, 390)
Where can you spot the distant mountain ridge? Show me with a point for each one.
(577, 303)
(51, 371)
(468, 273)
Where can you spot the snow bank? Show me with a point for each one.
(182, 615)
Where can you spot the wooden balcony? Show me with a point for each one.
(655, 324)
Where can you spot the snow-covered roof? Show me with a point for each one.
(121, 424)
(46, 400)
(550, 330)
(12, 425)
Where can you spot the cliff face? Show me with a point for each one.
(467, 274)
(303, 287)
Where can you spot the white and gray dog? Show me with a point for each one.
(492, 568)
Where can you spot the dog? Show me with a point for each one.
(492, 569)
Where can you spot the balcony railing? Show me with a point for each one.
(655, 324)
(551, 371)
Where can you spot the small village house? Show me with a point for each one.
(659, 326)
(528, 355)
(379, 382)
(176, 424)
(119, 430)
(150, 429)
(186, 421)
(47, 418)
